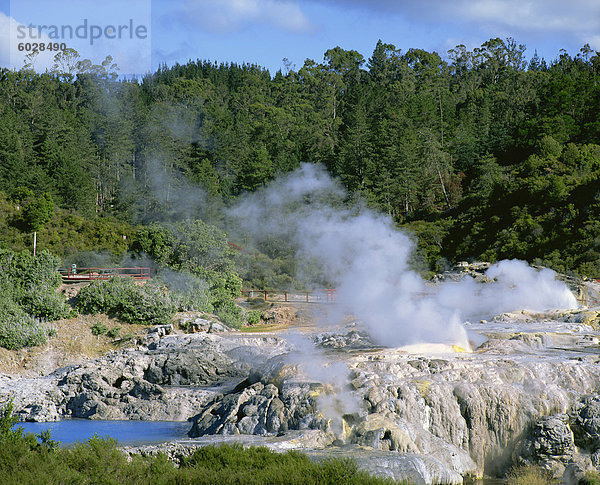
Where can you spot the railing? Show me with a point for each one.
(89, 274)
(326, 295)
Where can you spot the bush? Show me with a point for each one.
(189, 292)
(22, 331)
(257, 465)
(44, 302)
(99, 329)
(253, 317)
(17, 328)
(229, 313)
(122, 298)
(592, 477)
(31, 283)
(27, 293)
(199, 251)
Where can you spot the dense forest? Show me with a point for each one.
(483, 154)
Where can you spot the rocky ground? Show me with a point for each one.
(528, 393)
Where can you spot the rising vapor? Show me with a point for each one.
(367, 258)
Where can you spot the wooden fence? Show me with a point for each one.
(326, 295)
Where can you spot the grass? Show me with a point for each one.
(263, 328)
(530, 475)
(593, 478)
(73, 340)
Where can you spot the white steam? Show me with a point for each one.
(336, 399)
(366, 256)
(516, 286)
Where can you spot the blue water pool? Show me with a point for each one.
(69, 431)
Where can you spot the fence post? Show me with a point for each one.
(307, 297)
(285, 296)
(265, 295)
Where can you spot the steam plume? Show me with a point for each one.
(366, 257)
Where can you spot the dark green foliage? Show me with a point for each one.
(38, 211)
(419, 137)
(67, 234)
(7, 420)
(18, 330)
(147, 304)
(258, 465)
(113, 332)
(99, 329)
(541, 211)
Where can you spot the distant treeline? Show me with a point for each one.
(486, 155)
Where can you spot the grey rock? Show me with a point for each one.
(550, 440)
(585, 422)
(351, 340)
(189, 367)
(573, 474)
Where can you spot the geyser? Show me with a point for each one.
(367, 257)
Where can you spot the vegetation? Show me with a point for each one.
(483, 154)
(28, 296)
(149, 304)
(487, 154)
(530, 475)
(99, 461)
(199, 266)
(592, 477)
(253, 317)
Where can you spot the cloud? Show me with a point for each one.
(538, 16)
(10, 56)
(577, 20)
(35, 22)
(226, 16)
(5, 26)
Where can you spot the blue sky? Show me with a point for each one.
(266, 31)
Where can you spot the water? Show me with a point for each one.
(70, 431)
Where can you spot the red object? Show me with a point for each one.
(89, 274)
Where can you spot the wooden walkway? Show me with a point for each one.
(75, 275)
(326, 295)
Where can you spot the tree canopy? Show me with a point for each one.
(484, 153)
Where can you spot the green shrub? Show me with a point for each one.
(189, 292)
(99, 329)
(113, 332)
(229, 313)
(149, 304)
(28, 293)
(592, 477)
(44, 302)
(17, 328)
(23, 331)
(258, 465)
(253, 317)
(7, 420)
(31, 283)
